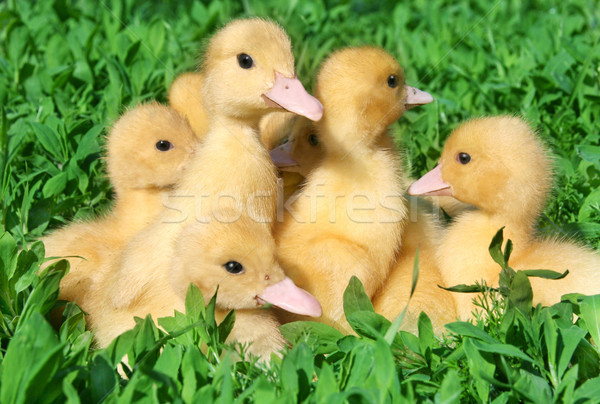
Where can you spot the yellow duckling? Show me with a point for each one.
(147, 149)
(228, 191)
(300, 154)
(237, 257)
(348, 217)
(501, 167)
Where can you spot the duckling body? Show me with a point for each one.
(348, 217)
(147, 150)
(222, 209)
(499, 165)
(421, 232)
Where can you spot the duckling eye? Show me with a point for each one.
(392, 81)
(463, 158)
(245, 61)
(164, 145)
(234, 267)
(313, 139)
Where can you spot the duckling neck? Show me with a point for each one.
(231, 170)
(230, 121)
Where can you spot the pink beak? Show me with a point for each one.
(416, 97)
(431, 184)
(287, 296)
(281, 156)
(290, 95)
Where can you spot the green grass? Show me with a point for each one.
(69, 68)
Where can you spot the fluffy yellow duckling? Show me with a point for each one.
(348, 217)
(185, 96)
(239, 258)
(501, 167)
(146, 151)
(301, 153)
(228, 190)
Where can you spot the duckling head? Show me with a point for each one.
(301, 150)
(238, 257)
(147, 148)
(363, 90)
(249, 71)
(495, 163)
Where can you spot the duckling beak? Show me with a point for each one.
(281, 156)
(287, 296)
(290, 95)
(416, 97)
(431, 184)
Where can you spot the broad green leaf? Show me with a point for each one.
(120, 346)
(145, 343)
(368, 324)
(571, 338)
(169, 361)
(35, 345)
(589, 153)
(481, 367)
(464, 288)
(194, 303)
(297, 372)
(533, 388)
(588, 391)
(521, 294)
(450, 390)
(501, 349)
(48, 138)
(469, 330)
(226, 326)
(327, 383)
(496, 249)
(545, 273)
(103, 378)
(194, 370)
(355, 298)
(320, 337)
(590, 312)
(44, 295)
(426, 336)
(55, 185)
(8, 256)
(223, 374)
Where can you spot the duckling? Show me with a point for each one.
(238, 258)
(185, 96)
(147, 149)
(348, 217)
(248, 71)
(500, 166)
(301, 153)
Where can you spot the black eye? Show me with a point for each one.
(313, 140)
(234, 267)
(164, 145)
(245, 61)
(463, 158)
(392, 81)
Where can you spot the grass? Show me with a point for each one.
(69, 68)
